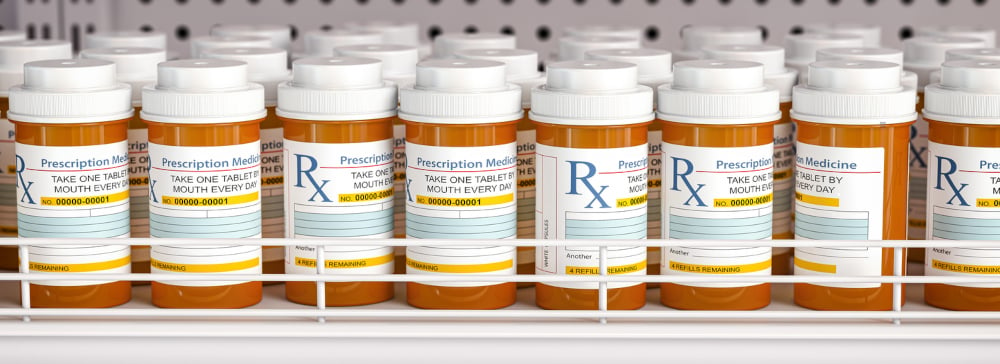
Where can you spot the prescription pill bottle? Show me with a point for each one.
(696, 37)
(853, 120)
(267, 67)
(461, 168)
(136, 67)
(623, 31)
(979, 54)
(800, 49)
(985, 33)
(872, 34)
(963, 149)
(718, 146)
(654, 67)
(575, 48)
(591, 119)
(71, 119)
(320, 43)
(338, 115)
(445, 45)
(522, 70)
(922, 56)
(125, 39)
(201, 44)
(13, 55)
(783, 79)
(399, 65)
(907, 78)
(204, 121)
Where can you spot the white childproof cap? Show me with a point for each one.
(621, 31)
(872, 34)
(265, 66)
(800, 49)
(10, 35)
(610, 89)
(336, 89)
(979, 54)
(201, 44)
(279, 35)
(125, 39)
(850, 92)
(697, 37)
(70, 91)
(460, 91)
(203, 91)
(14, 54)
(399, 62)
(654, 65)
(320, 43)
(969, 93)
(576, 48)
(393, 32)
(984, 33)
(521, 70)
(136, 66)
(925, 54)
(908, 79)
(720, 93)
(445, 45)
(771, 57)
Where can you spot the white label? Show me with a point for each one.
(525, 193)
(138, 180)
(784, 194)
(8, 203)
(205, 192)
(399, 183)
(918, 180)
(964, 204)
(272, 174)
(461, 193)
(591, 194)
(74, 192)
(838, 196)
(339, 191)
(719, 194)
(654, 208)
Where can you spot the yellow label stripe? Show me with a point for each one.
(817, 200)
(618, 269)
(965, 268)
(211, 201)
(346, 263)
(815, 267)
(631, 201)
(85, 200)
(459, 268)
(720, 269)
(205, 268)
(743, 201)
(79, 267)
(364, 196)
(988, 202)
(465, 201)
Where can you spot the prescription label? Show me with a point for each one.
(525, 193)
(8, 201)
(917, 216)
(838, 196)
(784, 177)
(272, 199)
(339, 191)
(461, 193)
(718, 194)
(399, 182)
(654, 201)
(73, 192)
(591, 194)
(964, 204)
(205, 192)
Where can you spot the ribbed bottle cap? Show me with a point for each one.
(279, 35)
(802, 48)
(321, 43)
(980, 54)
(895, 56)
(202, 91)
(592, 93)
(11, 35)
(969, 93)
(696, 37)
(136, 66)
(397, 60)
(623, 31)
(461, 91)
(393, 32)
(201, 44)
(772, 57)
(651, 63)
(872, 34)
(70, 91)
(929, 51)
(14, 54)
(521, 63)
(984, 33)
(265, 66)
(971, 75)
(125, 39)
(718, 92)
(854, 92)
(576, 48)
(445, 45)
(336, 88)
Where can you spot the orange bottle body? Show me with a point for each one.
(425, 141)
(918, 196)
(949, 143)
(627, 142)
(138, 173)
(784, 190)
(110, 138)
(684, 147)
(525, 196)
(399, 201)
(332, 140)
(654, 209)
(8, 228)
(865, 146)
(272, 188)
(220, 294)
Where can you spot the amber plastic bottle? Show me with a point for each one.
(317, 138)
(446, 147)
(961, 202)
(861, 147)
(86, 154)
(217, 147)
(582, 148)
